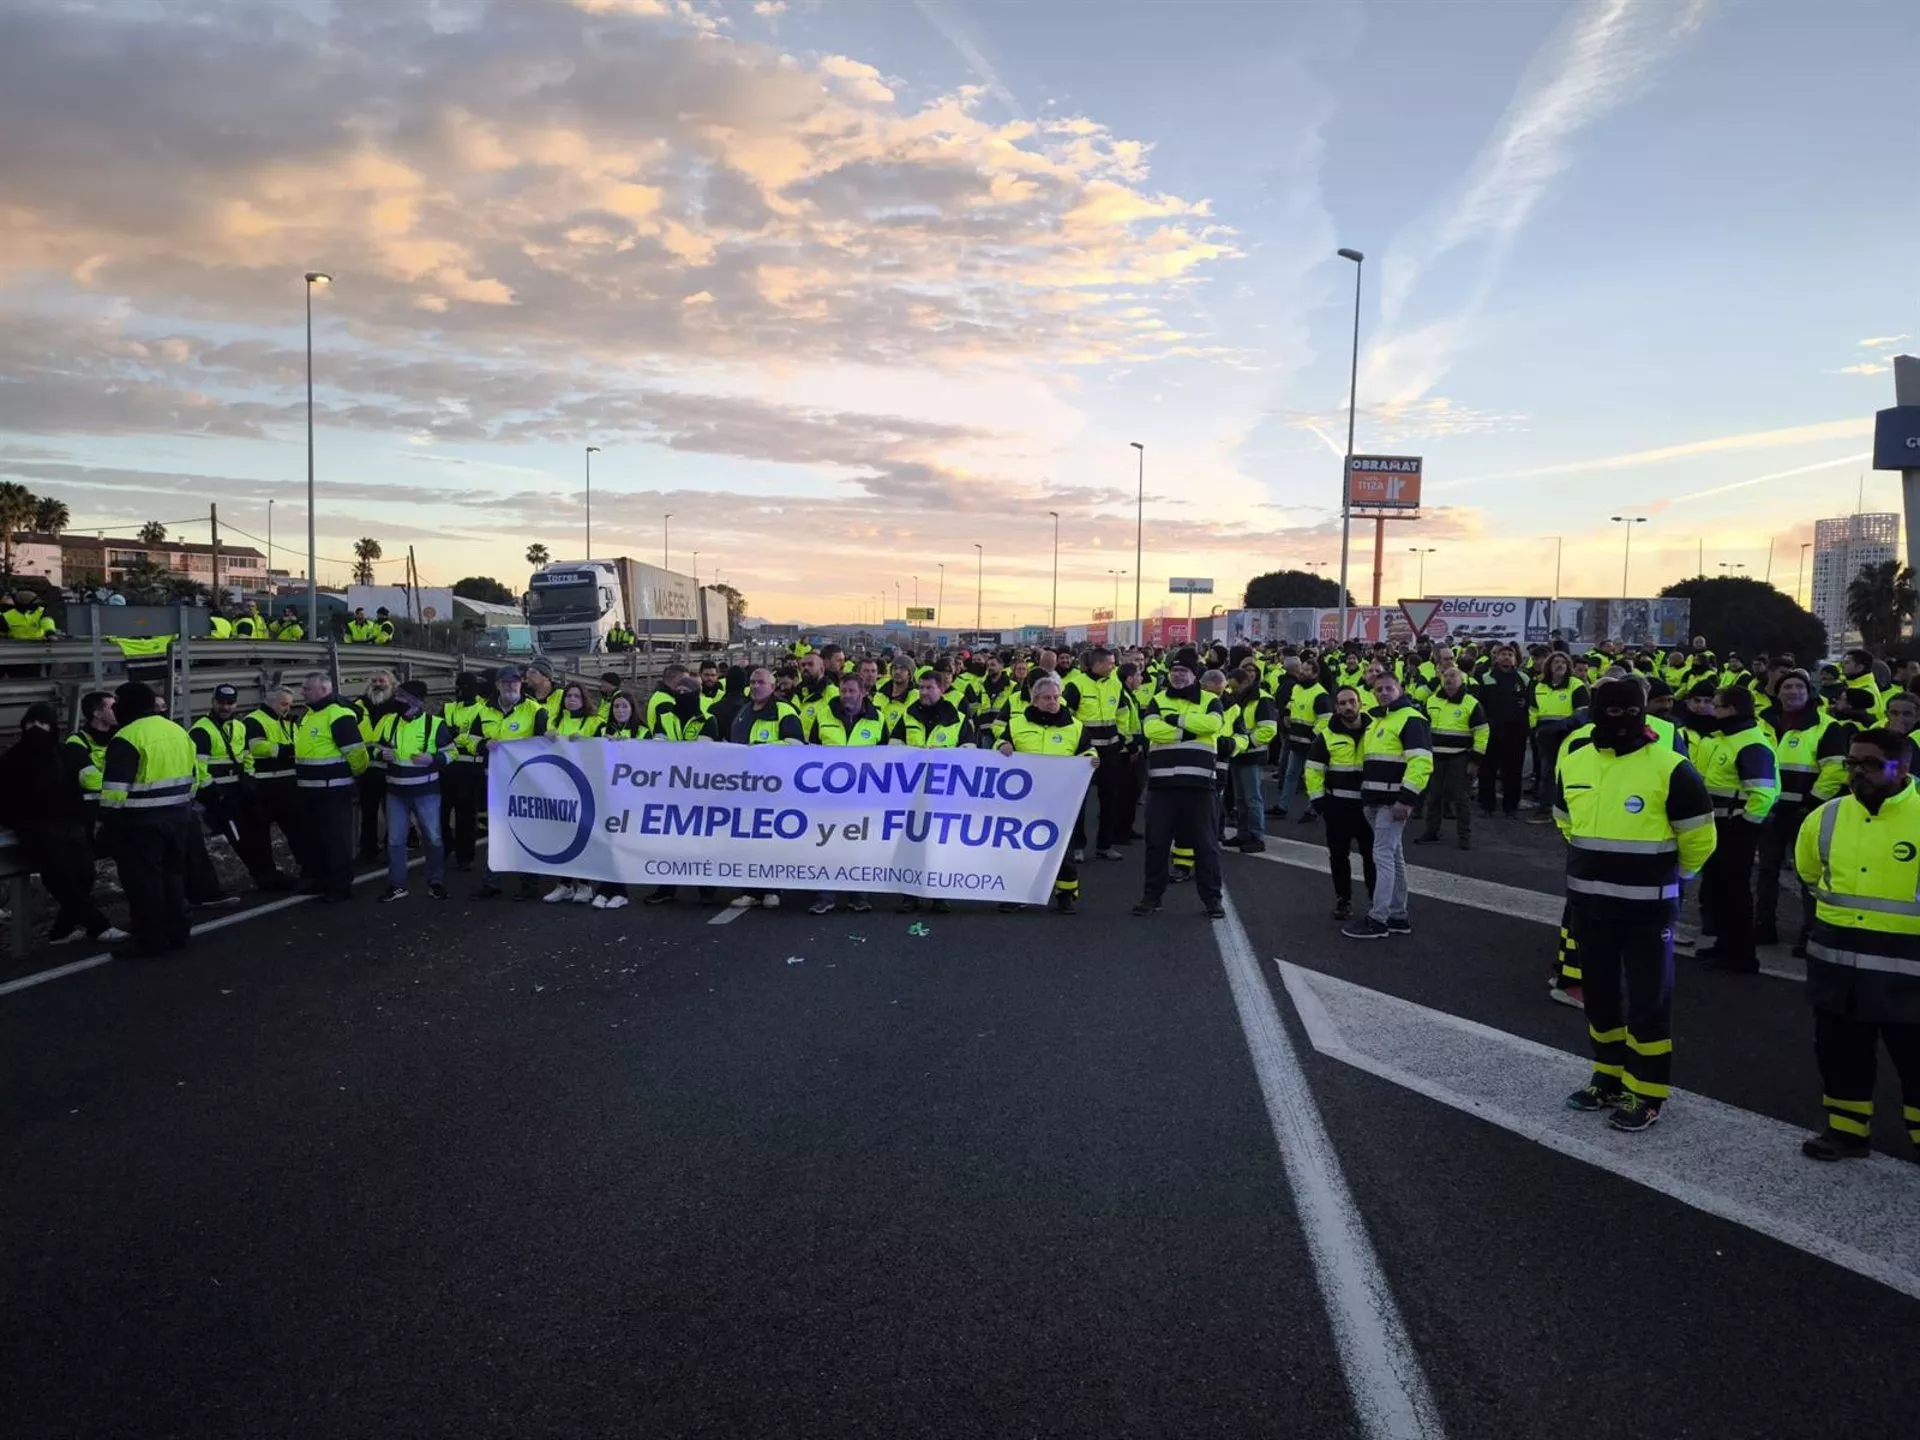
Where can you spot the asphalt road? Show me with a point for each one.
(514, 1169)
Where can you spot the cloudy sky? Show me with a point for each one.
(851, 288)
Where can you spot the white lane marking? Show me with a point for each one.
(728, 916)
(1489, 895)
(1712, 1156)
(1391, 1399)
(75, 967)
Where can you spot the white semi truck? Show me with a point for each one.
(574, 607)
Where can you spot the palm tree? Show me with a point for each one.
(153, 533)
(536, 555)
(16, 513)
(1880, 602)
(50, 516)
(365, 552)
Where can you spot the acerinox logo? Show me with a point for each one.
(1635, 805)
(553, 829)
(1903, 851)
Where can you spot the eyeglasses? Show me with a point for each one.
(1874, 762)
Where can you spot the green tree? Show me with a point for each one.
(1746, 617)
(50, 516)
(145, 583)
(16, 514)
(536, 555)
(485, 588)
(366, 550)
(1292, 589)
(153, 533)
(736, 603)
(1880, 603)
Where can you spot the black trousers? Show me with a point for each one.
(237, 813)
(1110, 784)
(1726, 886)
(63, 854)
(203, 881)
(1133, 784)
(373, 805)
(1347, 826)
(1506, 753)
(1845, 1049)
(1772, 849)
(328, 822)
(1449, 787)
(1626, 966)
(151, 852)
(280, 805)
(1184, 818)
(463, 790)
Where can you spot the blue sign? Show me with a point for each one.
(1896, 438)
(551, 821)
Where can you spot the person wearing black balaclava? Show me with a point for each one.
(1182, 725)
(1638, 821)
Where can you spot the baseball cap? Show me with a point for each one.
(507, 672)
(225, 692)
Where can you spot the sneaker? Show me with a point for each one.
(1400, 926)
(66, 936)
(1634, 1113)
(1216, 911)
(821, 907)
(1366, 928)
(1253, 845)
(770, 901)
(940, 907)
(1109, 854)
(615, 902)
(1147, 906)
(859, 905)
(394, 892)
(1343, 909)
(663, 895)
(583, 894)
(437, 892)
(557, 894)
(112, 935)
(1079, 857)
(599, 902)
(739, 902)
(1540, 817)
(1592, 1097)
(1569, 995)
(1834, 1146)
(1065, 903)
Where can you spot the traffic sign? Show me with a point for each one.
(1190, 585)
(920, 612)
(1418, 613)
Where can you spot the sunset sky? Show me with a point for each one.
(849, 288)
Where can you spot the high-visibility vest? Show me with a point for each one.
(165, 769)
(362, 632)
(1304, 713)
(1742, 775)
(1634, 823)
(1457, 725)
(221, 750)
(1864, 870)
(1098, 708)
(1806, 775)
(576, 727)
(424, 734)
(462, 718)
(1337, 762)
(1552, 702)
(866, 728)
(910, 727)
(1034, 737)
(329, 749)
(529, 717)
(249, 627)
(219, 627)
(1397, 755)
(1182, 736)
(34, 624)
(95, 747)
(269, 746)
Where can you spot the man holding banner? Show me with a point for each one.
(1044, 727)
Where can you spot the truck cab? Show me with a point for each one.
(574, 605)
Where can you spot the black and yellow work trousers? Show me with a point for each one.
(1626, 965)
(1846, 1052)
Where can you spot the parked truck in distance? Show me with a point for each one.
(575, 606)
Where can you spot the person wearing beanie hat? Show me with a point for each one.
(1638, 822)
(1182, 725)
(463, 786)
(1811, 745)
(417, 747)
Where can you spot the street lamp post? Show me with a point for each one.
(1733, 567)
(592, 450)
(1627, 560)
(1346, 472)
(1559, 542)
(1422, 552)
(663, 540)
(1139, 529)
(696, 569)
(940, 596)
(1053, 614)
(314, 277)
(1800, 578)
(1116, 593)
(979, 578)
(269, 547)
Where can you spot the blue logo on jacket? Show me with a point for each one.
(552, 828)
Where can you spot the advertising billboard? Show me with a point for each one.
(1660, 622)
(1383, 482)
(1896, 438)
(1190, 585)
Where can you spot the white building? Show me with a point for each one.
(1841, 548)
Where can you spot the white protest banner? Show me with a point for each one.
(949, 824)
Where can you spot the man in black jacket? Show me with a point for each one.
(42, 802)
(1503, 695)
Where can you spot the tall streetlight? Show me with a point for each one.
(1346, 471)
(897, 604)
(1422, 552)
(1139, 529)
(1558, 543)
(940, 596)
(1116, 594)
(696, 569)
(1629, 521)
(1733, 567)
(979, 577)
(314, 277)
(663, 540)
(592, 450)
(1799, 579)
(269, 547)
(1053, 615)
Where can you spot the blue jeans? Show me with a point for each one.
(1293, 774)
(1249, 806)
(423, 804)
